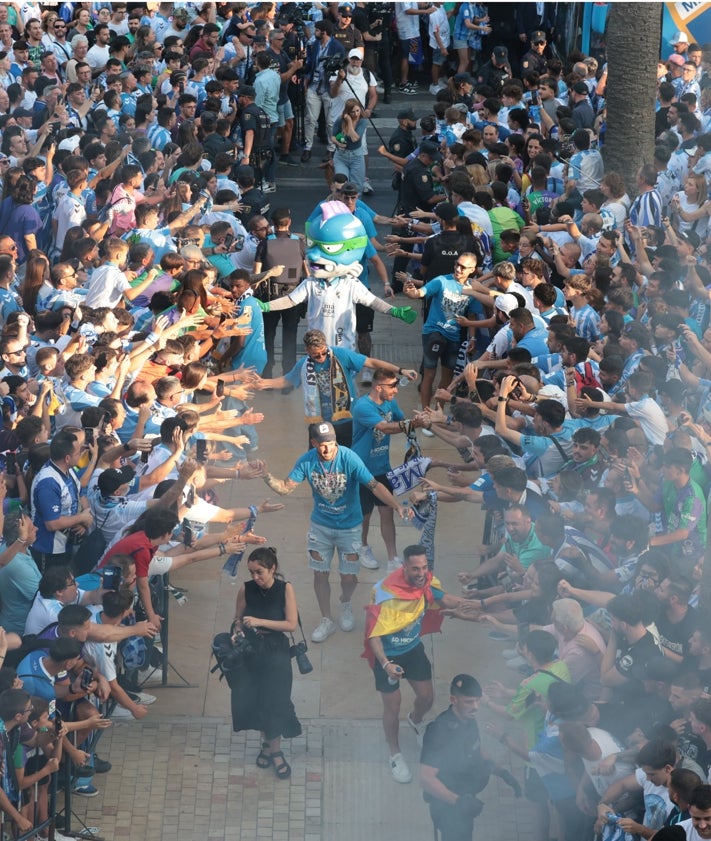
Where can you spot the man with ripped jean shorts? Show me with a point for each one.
(335, 474)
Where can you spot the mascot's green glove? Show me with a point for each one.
(264, 306)
(406, 314)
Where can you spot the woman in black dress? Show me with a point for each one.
(261, 698)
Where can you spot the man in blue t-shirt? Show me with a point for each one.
(326, 375)
(335, 474)
(442, 333)
(376, 417)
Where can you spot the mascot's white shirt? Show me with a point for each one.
(331, 307)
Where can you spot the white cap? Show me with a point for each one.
(354, 53)
(71, 144)
(680, 38)
(506, 303)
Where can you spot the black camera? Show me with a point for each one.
(298, 652)
(334, 63)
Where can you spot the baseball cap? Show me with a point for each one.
(538, 37)
(431, 149)
(500, 53)
(354, 53)
(446, 211)
(112, 479)
(349, 189)
(679, 38)
(581, 88)
(322, 432)
(181, 13)
(345, 8)
(71, 144)
(676, 59)
(406, 114)
(246, 90)
(22, 112)
(505, 303)
(692, 238)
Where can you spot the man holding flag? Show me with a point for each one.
(404, 606)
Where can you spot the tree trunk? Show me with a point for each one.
(633, 40)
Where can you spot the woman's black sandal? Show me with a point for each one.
(264, 759)
(283, 769)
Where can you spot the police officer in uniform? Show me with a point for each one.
(416, 191)
(253, 200)
(534, 60)
(345, 33)
(496, 71)
(402, 141)
(453, 768)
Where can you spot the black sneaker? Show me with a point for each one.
(101, 766)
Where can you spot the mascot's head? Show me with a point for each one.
(335, 241)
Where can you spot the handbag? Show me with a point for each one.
(298, 652)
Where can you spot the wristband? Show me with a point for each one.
(254, 511)
(399, 370)
(223, 551)
(20, 540)
(503, 399)
(237, 473)
(127, 447)
(151, 338)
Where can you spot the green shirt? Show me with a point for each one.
(529, 550)
(526, 708)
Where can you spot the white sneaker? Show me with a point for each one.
(394, 563)
(346, 622)
(366, 375)
(367, 188)
(367, 558)
(427, 433)
(323, 631)
(380, 89)
(516, 662)
(398, 768)
(509, 653)
(121, 712)
(418, 728)
(434, 90)
(146, 698)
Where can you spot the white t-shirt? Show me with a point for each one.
(439, 19)
(408, 26)
(103, 654)
(98, 56)
(651, 418)
(45, 611)
(657, 804)
(106, 287)
(691, 833)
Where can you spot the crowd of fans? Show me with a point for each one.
(568, 323)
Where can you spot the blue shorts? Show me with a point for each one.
(459, 44)
(438, 58)
(324, 540)
(285, 112)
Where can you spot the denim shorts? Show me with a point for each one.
(459, 44)
(437, 57)
(324, 540)
(285, 112)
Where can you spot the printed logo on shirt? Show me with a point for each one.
(330, 486)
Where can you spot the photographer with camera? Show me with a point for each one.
(265, 613)
(325, 56)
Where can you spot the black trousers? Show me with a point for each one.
(289, 325)
(452, 823)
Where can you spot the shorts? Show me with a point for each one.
(459, 44)
(159, 565)
(365, 316)
(437, 348)
(415, 664)
(285, 112)
(438, 58)
(324, 540)
(368, 500)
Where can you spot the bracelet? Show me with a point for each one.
(223, 550)
(399, 370)
(481, 603)
(254, 511)
(503, 399)
(237, 473)
(127, 447)
(20, 540)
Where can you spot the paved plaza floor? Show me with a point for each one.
(182, 773)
